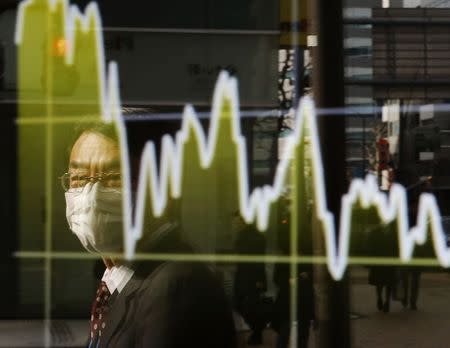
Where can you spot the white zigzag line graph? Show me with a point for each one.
(254, 206)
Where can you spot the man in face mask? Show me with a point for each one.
(94, 193)
(153, 304)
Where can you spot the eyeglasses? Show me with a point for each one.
(77, 181)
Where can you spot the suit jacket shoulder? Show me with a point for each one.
(178, 305)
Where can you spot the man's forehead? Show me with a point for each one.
(104, 163)
(92, 149)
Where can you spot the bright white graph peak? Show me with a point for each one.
(254, 206)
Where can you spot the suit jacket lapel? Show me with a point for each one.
(119, 309)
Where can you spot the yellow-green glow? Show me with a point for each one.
(201, 180)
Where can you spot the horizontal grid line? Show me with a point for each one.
(356, 260)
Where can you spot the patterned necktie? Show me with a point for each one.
(98, 314)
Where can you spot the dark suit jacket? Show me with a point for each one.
(177, 305)
(249, 242)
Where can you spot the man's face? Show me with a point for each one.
(94, 154)
(94, 195)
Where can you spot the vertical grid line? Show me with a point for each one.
(293, 254)
(48, 184)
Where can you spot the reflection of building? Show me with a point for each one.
(401, 54)
(410, 54)
(358, 45)
(393, 53)
(360, 136)
(425, 151)
(410, 63)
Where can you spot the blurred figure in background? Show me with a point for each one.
(383, 277)
(282, 321)
(410, 276)
(250, 280)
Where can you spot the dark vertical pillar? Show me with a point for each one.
(8, 191)
(9, 264)
(328, 89)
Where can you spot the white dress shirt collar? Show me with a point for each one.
(117, 277)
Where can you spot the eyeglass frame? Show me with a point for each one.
(89, 178)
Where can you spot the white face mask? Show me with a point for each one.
(94, 214)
